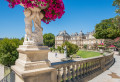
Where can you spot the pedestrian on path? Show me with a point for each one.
(55, 54)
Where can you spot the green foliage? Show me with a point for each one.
(108, 43)
(117, 4)
(87, 54)
(51, 49)
(107, 29)
(117, 44)
(59, 49)
(85, 46)
(8, 52)
(49, 39)
(71, 48)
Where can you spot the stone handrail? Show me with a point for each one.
(76, 71)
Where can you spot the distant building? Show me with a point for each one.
(79, 39)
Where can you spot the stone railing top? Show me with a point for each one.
(67, 63)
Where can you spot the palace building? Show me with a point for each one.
(79, 39)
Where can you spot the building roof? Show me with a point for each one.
(63, 33)
(74, 34)
(81, 33)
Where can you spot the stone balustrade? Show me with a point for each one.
(80, 71)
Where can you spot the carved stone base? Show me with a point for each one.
(33, 65)
(32, 43)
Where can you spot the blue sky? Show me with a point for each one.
(79, 15)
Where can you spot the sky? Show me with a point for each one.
(79, 15)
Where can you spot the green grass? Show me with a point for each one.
(87, 54)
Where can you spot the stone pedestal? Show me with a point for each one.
(33, 65)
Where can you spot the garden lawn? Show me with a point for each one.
(87, 54)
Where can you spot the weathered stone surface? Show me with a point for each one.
(33, 65)
(1, 72)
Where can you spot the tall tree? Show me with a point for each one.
(71, 48)
(107, 29)
(49, 39)
(117, 4)
(8, 52)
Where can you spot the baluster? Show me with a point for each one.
(64, 74)
(83, 69)
(77, 71)
(59, 75)
(73, 72)
(89, 68)
(92, 66)
(99, 64)
(95, 65)
(86, 68)
(69, 74)
(80, 70)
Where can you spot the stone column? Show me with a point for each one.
(33, 65)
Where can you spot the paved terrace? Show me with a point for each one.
(110, 75)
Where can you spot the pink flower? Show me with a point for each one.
(55, 10)
(112, 46)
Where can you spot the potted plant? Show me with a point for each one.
(101, 47)
(51, 9)
(111, 48)
(35, 12)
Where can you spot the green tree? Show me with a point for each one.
(71, 48)
(49, 39)
(8, 52)
(117, 4)
(107, 29)
(59, 49)
(85, 46)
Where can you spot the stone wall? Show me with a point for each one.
(1, 72)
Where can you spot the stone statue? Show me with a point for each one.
(65, 51)
(33, 37)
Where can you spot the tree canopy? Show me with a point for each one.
(71, 48)
(8, 51)
(107, 29)
(117, 4)
(49, 39)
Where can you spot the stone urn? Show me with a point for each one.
(111, 49)
(101, 49)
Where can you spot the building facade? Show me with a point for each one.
(79, 39)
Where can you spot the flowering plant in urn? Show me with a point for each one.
(101, 47)
(37, 11)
